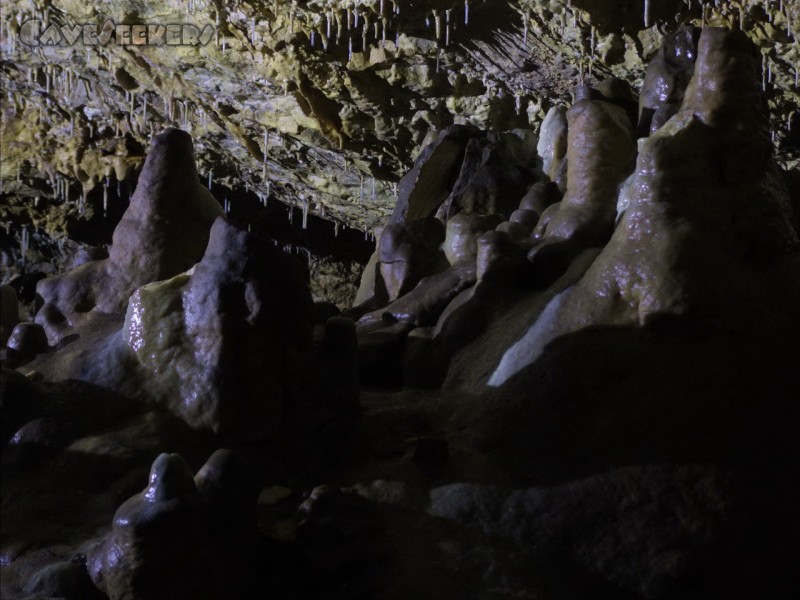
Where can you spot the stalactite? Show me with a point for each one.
(466, 12)
(210, 175)
(525, 28)
(647, 13)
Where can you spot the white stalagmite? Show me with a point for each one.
(647, 13)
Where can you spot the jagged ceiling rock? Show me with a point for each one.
(325, 103)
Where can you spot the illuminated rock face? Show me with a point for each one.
(226, 344)
(697, 224)
(163, 233)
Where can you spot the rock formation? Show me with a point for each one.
(163, 233)
(570, 368)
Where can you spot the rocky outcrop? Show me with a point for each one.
(177, 539)
(227, 344)
(702, 185)
(163, 233)
(600, 154)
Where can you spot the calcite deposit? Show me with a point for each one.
(400, 299)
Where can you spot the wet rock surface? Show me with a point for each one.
(570, 371)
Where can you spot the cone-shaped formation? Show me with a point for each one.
(162, 233)
(227, 344)
(179, 540)
(159, 546)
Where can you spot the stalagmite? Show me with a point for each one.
(447, 27)
(438, 20)
(647, 13)
(24, 243)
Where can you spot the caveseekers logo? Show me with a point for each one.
(37, 33)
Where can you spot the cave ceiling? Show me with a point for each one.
(325, 104)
